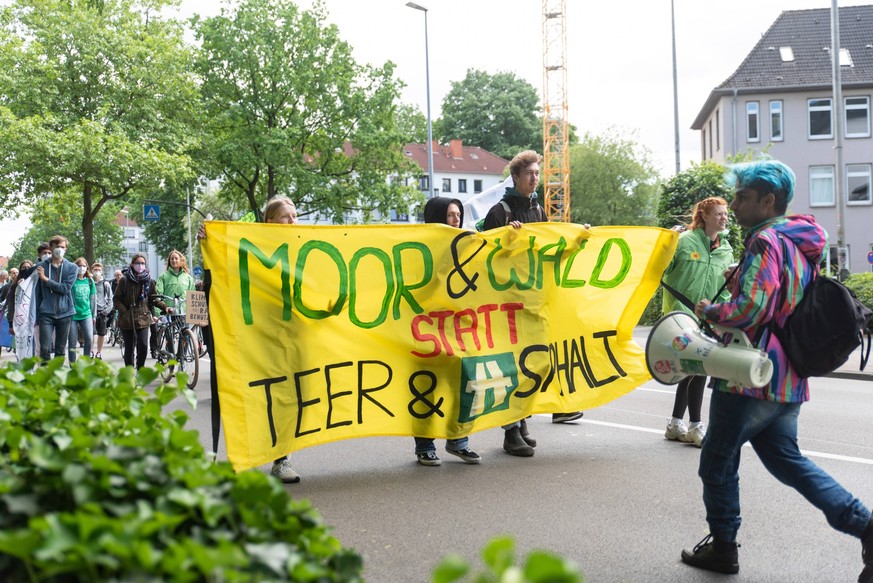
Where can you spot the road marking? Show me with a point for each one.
(807, 453)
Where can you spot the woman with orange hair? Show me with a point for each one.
(702, 256)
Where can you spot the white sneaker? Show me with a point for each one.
(676, 431)
(282, 469)
(695, 435)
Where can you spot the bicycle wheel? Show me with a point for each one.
(165, 343)
(186, 354)
(201, 344)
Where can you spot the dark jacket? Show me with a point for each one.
(436, 210)
(521, 208)
(133, 313)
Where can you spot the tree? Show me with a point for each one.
(97, 95)
(412, 124)
(684, 190)
(291, 112)
(499, 113)
(61, 214)
(612, 181)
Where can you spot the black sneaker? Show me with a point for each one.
(566, 417)
(428, 458)
(468, 455)
(713, 555)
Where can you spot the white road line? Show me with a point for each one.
(814, 454)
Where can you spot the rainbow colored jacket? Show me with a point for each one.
(772, 276)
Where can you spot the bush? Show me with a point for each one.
(97, 483)
(499, 558)
(862, 285)
(652, 313)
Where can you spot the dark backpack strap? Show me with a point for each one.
(506, 211)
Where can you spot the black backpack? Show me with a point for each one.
(826, 326)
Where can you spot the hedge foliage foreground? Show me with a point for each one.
(98, 483)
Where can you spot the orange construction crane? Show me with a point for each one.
(555, 173)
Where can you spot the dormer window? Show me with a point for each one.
(787, 54)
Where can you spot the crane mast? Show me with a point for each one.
(555, 173)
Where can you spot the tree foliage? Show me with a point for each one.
(61, 214)
(97, 96)
(499, 113)
(290, 112)
(684, 190)
(612, 181)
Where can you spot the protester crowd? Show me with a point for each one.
(53, 304)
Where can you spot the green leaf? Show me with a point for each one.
(451, 568)
(499, 554)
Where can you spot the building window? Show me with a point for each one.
(753, 125)
(130, 233)
(477, 186)
(857, 117)
(776, 120)
(423, 183)
(462, 185)
(143, 246)
(858, 183)
(717, 131)
(447, 184)
(399, 216)
(710, 138)
(821, 186)
(820, 119)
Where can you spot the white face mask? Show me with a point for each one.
(46, 256)
(58, 252)
(98, 275)
(82, 270)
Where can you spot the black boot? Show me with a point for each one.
(515, 445)
(525, 434)
(713, 555)
(866, 575)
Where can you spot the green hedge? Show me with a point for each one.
(98, 483)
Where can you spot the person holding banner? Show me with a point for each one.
(134, 298)
(781, 256)
(279, 210)
(447, 211)
(518, 206)
(702, 256)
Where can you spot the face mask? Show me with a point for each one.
(98, 275)
(82, 270)
(137, 267)
(45, 257)
(58, 252)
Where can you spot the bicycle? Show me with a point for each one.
(177, 347)
(116, 338)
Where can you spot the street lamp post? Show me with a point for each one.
(427, 78)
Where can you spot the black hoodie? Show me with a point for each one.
(436, 210)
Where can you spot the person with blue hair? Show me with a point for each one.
(781, 258)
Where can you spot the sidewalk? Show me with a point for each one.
(850, 370)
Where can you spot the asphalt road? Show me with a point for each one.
(608, 492)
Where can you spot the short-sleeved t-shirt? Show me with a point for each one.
(83, 289)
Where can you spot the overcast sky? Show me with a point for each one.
(619, 56)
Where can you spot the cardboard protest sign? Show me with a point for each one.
(327, 333)
(196, 311)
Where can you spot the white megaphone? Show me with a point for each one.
(678, 348)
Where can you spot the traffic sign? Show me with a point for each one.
(198, 271)
(870, 258)
(151, 212)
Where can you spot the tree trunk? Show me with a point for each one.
(88, 222)
(252, 194)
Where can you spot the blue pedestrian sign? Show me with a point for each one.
(198, 271)
(151, 212)
(870, 258)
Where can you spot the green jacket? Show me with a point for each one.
(695, 271)
(172, 285)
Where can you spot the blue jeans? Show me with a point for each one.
(772, 430)
(49, 325)
(425, 444)
(87, 328)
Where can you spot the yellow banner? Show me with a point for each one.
(327, 333)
